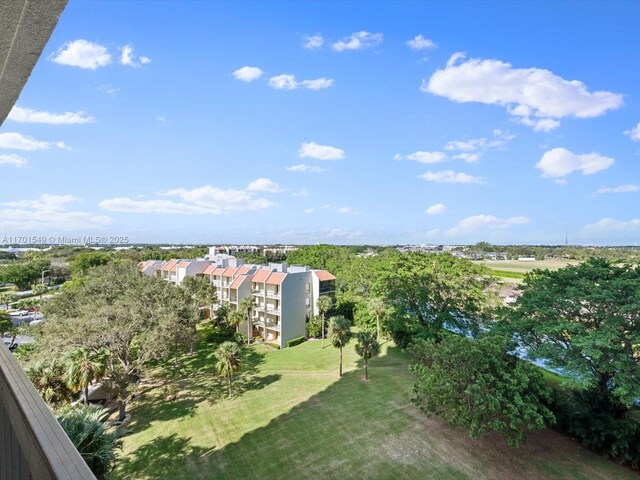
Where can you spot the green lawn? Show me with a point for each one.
(292, 417)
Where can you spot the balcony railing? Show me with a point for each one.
(273, 295)
(32, 443)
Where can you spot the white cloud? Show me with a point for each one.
(468, 157)
(449, 176)
(264, 185)
(129, 59)
(483, 224)
(346, 210)
(289, 82)
(320, 152)
(27, 115)
(161, 119)
(303, 167)
(109, 89)
(17, 141)
(358, 41)
(437, 209)
(423, 157)
(309, 210)
(49, 213)
(300, 193)
(537, 97)
(560, 162)
(312, 42)
(12, 159)
(128, 205)
(610, 228)
(83, 54)
(619, 189)
(634, 133)
(420, 43)
(144, 60)
(248, 74)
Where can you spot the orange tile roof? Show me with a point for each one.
(183, 264)
(218, 271)
(276, 278)
(170, 265)
(238, 281)
(323, 275)
(243, 270)
(209, 270)
(143, 265)
(261, 275)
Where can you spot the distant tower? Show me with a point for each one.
(566, 238)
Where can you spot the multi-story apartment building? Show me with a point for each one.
(284, 296)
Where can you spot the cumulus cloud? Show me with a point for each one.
(437, 209)
(303, 167)
(12, 159)
(313, 42)
(358, 41)
(534, 96)
(49, 213)
(619, 189)
(421, 43)
(320, 152)
(483, 224)
(467, 157)
(560, 162)
(17, 141)
(248, 74)
(449, 176)
(128, 58)
(423, 157)
(27, 115)
(610, 229)
(206, 200)
(264, 185)
(82, 54)
(289, 82)
(634, 133)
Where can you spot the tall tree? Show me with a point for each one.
(228, 361)
(246, 306)
(84, 261)
(434, 291)
(585, 319)
(378, 309)
(48, 379)
(7, 298)
(367, 347)
(477, 385)
(84, 366)
(340, 334)
(7, 327)
(138, 318)
(24, 273)
(202, 291)
(39, 290)
(324, 304)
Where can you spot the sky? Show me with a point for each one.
(341, 122)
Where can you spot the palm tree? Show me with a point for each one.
(84, 366)
(39, 290)
(367, 347)
(246, 306)
(339, 334)
(324, 304)
(378, 309)
(228, 360)
(86, 430)
(47, 379)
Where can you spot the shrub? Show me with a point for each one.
(314, 327)
(295, 341)
(220, 333)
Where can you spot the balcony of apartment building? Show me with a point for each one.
(272, 307)
(257, 289)
(272, 293)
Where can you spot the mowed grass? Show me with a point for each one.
(293, 417)
(524, 267)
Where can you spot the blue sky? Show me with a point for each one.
(341, 122)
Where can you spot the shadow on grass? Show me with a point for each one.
(158, 459)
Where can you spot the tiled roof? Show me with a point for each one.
(229, 272)
(276, 278)
(218, 271)
(209, 270)
(323, 275)
(183, 264)
(243, 270)
(238, 281)
(170, 265)
(261, 275)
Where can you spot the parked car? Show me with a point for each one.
(20, 313)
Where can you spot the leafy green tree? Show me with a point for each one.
(378, 309)
(477, 385)
(235, 318)
(340, 334)
(585, 319)
(85, 428)
(201, 290)
(39, 290)
(228, 360)
(324, 304)
(7, 298)
(138, 318)
(246, 306)
(84, 366)
(367, 347)
(221, 315)
(314, 326)
(84, 261)
(47, 378)
(23, 273)
(431, 291)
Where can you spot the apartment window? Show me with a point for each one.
(307, 302)
(307, 288)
